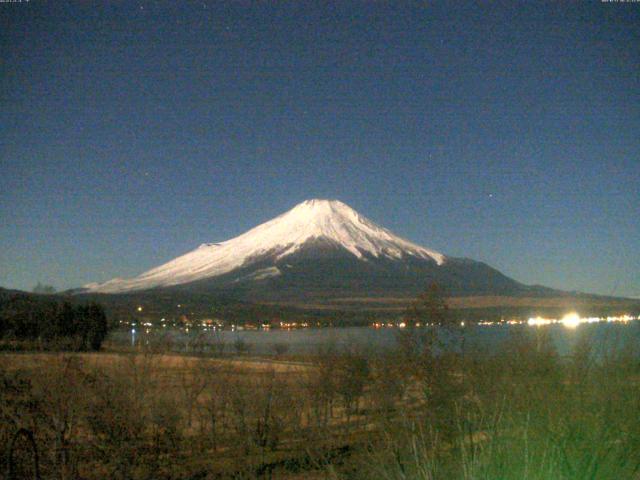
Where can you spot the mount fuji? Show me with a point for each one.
(318, 249)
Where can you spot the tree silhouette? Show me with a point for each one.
(96, 321)
(43, 288)
(429, 308)
(54, 324)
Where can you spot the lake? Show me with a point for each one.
(604, 336)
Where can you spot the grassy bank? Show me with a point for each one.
(517, 412)
(520, 412)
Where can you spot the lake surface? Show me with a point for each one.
(604, 336)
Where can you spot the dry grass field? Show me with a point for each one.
(170, 364)
(168, 416)
(518, 412)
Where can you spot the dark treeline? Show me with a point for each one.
(43, 322)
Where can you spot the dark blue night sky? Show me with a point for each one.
(132, 132)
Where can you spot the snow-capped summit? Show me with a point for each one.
(334, 221)
(329, 222)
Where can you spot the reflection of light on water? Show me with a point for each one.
(537, 321)
(573, 320)
(133, 337)
(570, 320)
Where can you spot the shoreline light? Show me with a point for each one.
(538, 321)
(573, 320)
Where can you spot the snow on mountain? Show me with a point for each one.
(311, 220)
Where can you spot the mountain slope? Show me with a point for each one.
(330, 225)
(318, 250)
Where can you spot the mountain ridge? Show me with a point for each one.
(318, 250)
(308, 222)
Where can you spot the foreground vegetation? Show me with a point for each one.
(517, 412)
(45, 322)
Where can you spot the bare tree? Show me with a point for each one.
(215, 402)
(351, 376)
(61, 393)
(43, 288)
(280, 349)
(241, 346)
(193, 380)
